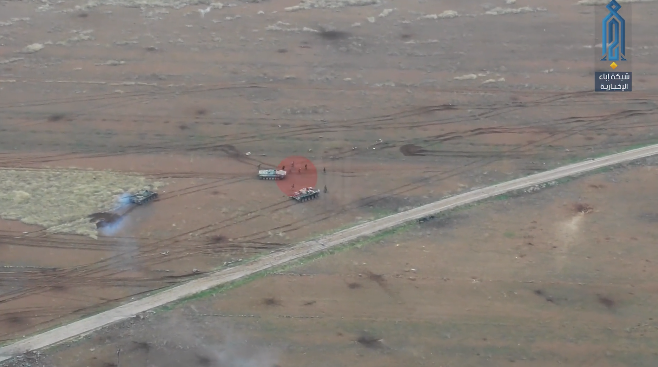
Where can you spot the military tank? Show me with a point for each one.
(307, 193)
(142, 197)
(271, 174)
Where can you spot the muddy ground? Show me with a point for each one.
(398, 107)
(563, 276)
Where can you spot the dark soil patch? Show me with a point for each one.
(217, 239)
(229, 150)
(333, 35)
(183, 127)
(203, 360)
(83, 15)
(104, 219)
(379, 279)
(309, 303)
(354, 285)
(370, 342)
(606, 301)
(541, 293)
(16, 320)
(201, 112)
(282, 50)
(582, 208)
(143, 346)
(56, 117)
(412, 150)
(445, 221)
(406, 36)
(271, 301)
(59, 288)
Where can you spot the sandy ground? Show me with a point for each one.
(181, 98)
(562, 276)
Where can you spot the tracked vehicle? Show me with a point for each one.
(271, 174)
(308, 193)
(142, 197)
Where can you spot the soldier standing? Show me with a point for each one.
(325, 189)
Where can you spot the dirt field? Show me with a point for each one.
(564, 277)
(399, 108)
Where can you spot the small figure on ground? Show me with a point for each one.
(293, 164)
(324, 170)
(325, 189)
(306, 166)
(259, 166)
(283, 168)
(293, 186)
(299, 170)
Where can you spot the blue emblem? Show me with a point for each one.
(613, 34)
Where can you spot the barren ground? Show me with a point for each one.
(563, 276)
(176, 97)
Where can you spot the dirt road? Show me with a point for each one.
(307, 248)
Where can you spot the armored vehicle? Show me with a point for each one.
(142, 197)
(271, 174)
(308, 193)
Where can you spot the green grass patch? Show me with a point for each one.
(639, 145)
(500, 197)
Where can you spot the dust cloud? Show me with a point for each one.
(176, 343)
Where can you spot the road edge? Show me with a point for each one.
(87, 325)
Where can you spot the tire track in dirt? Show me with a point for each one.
(450, 174)
(388, 117)
(210, 230)
(313, 129)
(306, 221)
(305, 249)
(372, 122)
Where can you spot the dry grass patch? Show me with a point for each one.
(62, 200)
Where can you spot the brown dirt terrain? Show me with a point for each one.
(176, 97)
(532, 280)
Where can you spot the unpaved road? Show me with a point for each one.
(307, 248)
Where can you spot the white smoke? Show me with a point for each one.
(180, 343)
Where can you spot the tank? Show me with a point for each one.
(308, 193)
(142, 197)
(271, 174)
